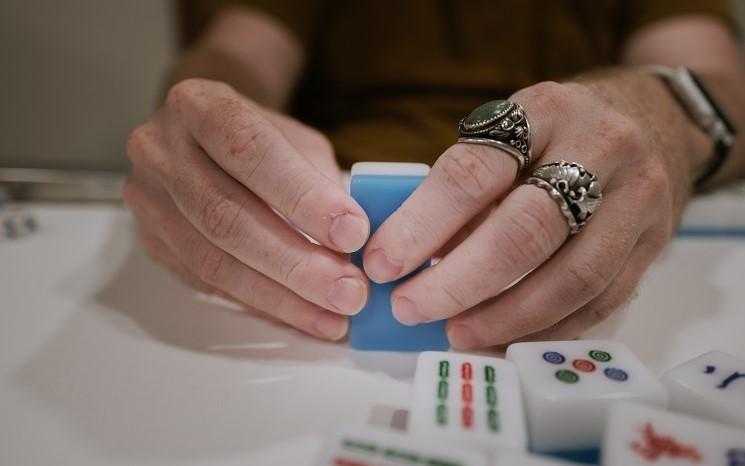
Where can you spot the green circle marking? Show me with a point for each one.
(567, 376)
(600, 356)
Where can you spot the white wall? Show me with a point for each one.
(76, 76)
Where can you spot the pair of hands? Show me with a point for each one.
(211, 169)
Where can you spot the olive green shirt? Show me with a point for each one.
(389, 80)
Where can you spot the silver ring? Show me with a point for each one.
(576, 190)
(501, 124)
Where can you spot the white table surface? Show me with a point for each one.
(107, 359)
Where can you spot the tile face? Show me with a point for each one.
(568, 386)
(638, 435)
(711, 386)
(472, 400)
(368, 446)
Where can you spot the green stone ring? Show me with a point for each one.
(501, 124)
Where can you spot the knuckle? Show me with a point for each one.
(601, 311)
(457, 295)
(652, 188)
(603, 308)
(322, 144)
(249, 140)
(293, 270)
(140, 141)
(277, 304)
(655, 177)
(185, 91)
(551, 96)
(528, 238)
(582, 279)
(298, 196)
(466, 174)
(658, 241)
(626, 133)
(416, 233)
(221, 218)
(212, 266)
(139, 203)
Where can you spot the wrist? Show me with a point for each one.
(684, 146)
(695, 143)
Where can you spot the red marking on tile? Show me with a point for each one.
(467, 392)
(654, 446)
(466, 371)
(467, 417)
(583, 365)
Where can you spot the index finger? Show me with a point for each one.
(465, 179)
(252, 150)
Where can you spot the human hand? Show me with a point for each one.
(640, 150)
(207, 170)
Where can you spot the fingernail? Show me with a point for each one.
(348, 295)
(348, 232)
(406, 312)
(380, 268)
(330, 326)
(461, 337)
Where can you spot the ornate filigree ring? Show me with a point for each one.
(576, 190)
(501, 124)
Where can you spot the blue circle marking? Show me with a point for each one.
(553, 357)
(619, 375)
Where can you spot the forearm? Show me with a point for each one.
(248, 50)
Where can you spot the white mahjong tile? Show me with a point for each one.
(474, 400)
(370, 446)
(711, 386)
(568, 385)
(640, 435)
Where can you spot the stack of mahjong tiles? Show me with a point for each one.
(559, 403)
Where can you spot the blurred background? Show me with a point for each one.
(77, 75)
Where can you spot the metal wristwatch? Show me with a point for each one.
(701, 107)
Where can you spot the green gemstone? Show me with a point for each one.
(487, 112)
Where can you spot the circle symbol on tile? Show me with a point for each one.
(583, 365)
(553, 357)
(600, 356)
(567, 376)
(619, 375)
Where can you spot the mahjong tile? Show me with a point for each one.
(474, 400)
(369, 446)
(711, 386)
(640, 435)
(567, 387)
